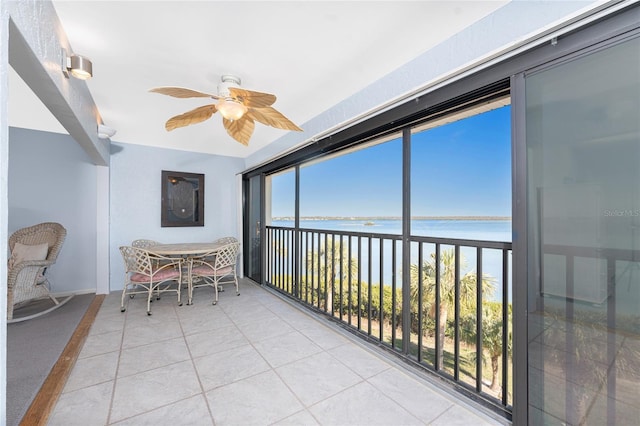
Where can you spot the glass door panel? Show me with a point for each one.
(254, 258)
(583, 178)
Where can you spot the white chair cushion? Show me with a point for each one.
(22, 252)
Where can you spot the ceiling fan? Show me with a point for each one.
(239, 109)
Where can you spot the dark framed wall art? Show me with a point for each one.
(182, 199)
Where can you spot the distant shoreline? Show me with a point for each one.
(374, 218)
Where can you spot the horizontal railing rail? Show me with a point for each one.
(460, 315)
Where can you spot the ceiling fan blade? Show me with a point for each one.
(190, 117)
(181, 92)
(273, 118)
(252, 99)
(241, 130)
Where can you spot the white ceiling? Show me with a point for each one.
(311, 55)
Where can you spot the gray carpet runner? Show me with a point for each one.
(33, 348)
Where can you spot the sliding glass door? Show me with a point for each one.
(253, 227)
(583, 254)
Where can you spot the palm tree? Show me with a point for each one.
(331, 261)
(281, 254)
(491, 336)
(467, 294)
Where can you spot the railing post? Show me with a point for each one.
(359, 283)
(420, 289)
(333, 274)
(266, 267)
(406, 243)
(394, 275)
(505, 326)
(370, 286)
(479, 349)
(341, 310)
(349, 283)
(456, 316)
(297, 255)
(438, 360)
(381, 291)
(326, 267)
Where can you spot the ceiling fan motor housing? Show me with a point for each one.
(227, 82)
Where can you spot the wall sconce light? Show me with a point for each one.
(105, 132)
(76, 65)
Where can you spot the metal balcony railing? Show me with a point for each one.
(459, 317)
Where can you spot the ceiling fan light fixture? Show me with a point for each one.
(231, 109)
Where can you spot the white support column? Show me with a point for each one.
(102, 230)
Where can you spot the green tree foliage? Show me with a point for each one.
(327, 268)
(466, 296)
(384, 314)
(491, 331)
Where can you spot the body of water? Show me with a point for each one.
(467, 229)
(486, 230)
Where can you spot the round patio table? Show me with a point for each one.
(187, 251)
(184, 249)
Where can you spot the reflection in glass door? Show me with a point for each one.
(583, 198)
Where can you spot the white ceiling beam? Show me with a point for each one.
(36, 40)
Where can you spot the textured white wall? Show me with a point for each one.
(52, 179)
(135, 198)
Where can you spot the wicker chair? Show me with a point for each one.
(146, 272)
(214, 269)
(33, 250)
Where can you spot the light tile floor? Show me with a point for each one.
(255, 359)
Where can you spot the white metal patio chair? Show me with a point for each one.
(226, 240)
(143, 243)
(214, 269)
(146, 272)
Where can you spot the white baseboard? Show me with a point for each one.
(75, 292)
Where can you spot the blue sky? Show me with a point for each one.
(459, 169)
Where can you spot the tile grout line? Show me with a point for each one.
(115, 375)
(195, 369)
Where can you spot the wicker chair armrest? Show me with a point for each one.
(27, 270)
(30, 263)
